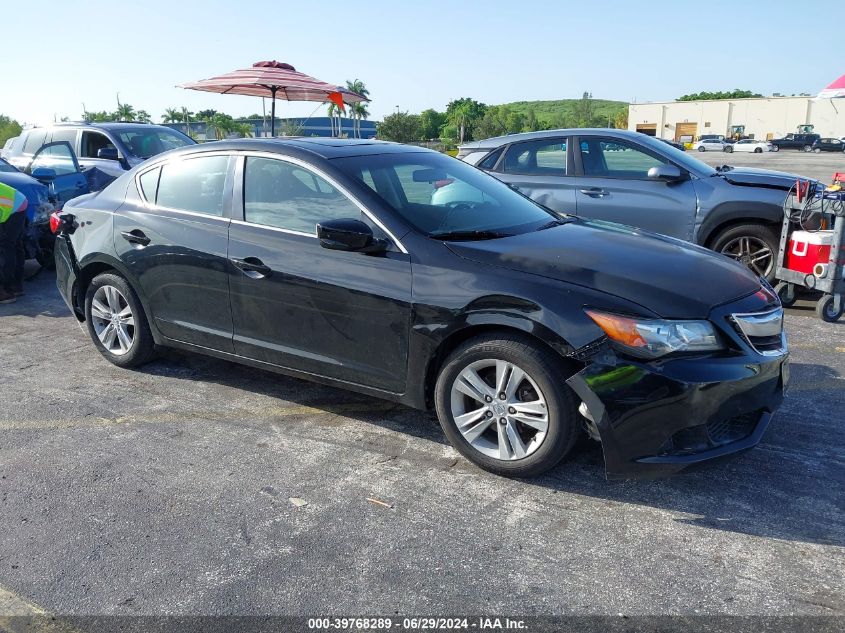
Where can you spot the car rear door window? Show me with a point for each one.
(93, 142)
(286, 196)
(34, 141)
(194, 184)
(544, 157)
(68, 136)
(612, 158)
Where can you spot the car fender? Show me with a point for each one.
(738, 211)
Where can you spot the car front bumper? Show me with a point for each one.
(658, 418)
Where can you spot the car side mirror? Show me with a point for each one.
(44, 175)
(668, 173)
(108, 153)
(349, 234)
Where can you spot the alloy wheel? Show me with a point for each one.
(113, 321)
(752, 252)
(499, 409)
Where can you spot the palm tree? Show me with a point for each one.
(143, 116)
(244, 129)
(333, 111)
(359, 110)
(171, 115)
(125, 112)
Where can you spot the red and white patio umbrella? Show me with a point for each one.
(275, 80)
(836, 90)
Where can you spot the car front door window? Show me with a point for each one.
(611, 158)
(286, 196)
(92, 143)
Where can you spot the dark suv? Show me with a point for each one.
(114, 148)
(795, 141)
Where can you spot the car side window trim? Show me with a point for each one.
(238, 194)
(227, 187)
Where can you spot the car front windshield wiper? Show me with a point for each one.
(558, 222)
(479, 234)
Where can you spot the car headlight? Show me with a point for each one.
(651, 338)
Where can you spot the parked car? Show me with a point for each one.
(112, 148)
(650, 185)
(795, 141)
(750, 145)
(712, 145)
(327, 260)
(50, 179)
(711, 137)
(829, 145)
(679, 146)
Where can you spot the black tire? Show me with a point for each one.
(701, 148)
(775, 148)
(786, 293)
(760, 232)
(825, 310)
(758, 150)
(729, 149)
(548, 373)
(817, 150)
(142, 348)
(808, 148)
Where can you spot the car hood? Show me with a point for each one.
(760, 177)
(669, 277)
(27, 185)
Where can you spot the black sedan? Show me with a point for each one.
(829, 145)
(334, 261)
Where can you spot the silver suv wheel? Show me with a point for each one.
(499, 409)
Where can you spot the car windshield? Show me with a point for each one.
(6, 167)
(145, 143)
(446, 198)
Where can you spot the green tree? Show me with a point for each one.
(493, 123)
(464, 113)
(736, 93)
(125, 112)
(9, 128)
(400, 127)
(206, 114)
(244, 129)
(143, 116)
(358, 110)
(620, 121)
(449, 136)
(172, 115)
(531, 122)
(431, 121)
(100, 117)
(221, 125)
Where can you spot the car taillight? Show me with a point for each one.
(55, 222)
(443, 183)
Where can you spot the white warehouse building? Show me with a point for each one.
(761, 118)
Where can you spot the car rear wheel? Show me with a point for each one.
(701, 148)
(775, 148)
(817, 150)
(753, 245)
(116, 321)
(758, 150)
(729, 149)
(503, 405)
(808, 148)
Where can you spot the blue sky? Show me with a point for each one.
(414, 54)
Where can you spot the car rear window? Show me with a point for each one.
(194, 184)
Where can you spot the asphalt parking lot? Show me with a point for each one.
(195, 486)
(819, 166)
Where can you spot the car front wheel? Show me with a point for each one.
(701, 148)
(754, 245)
(116, 321)
(775, 148)
(503, 404)
(729, 149)
(808, 148)
(758, 150)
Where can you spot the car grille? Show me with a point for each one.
(703, 437)
(763, 331)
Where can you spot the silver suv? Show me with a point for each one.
(111, 147)
(634, 179)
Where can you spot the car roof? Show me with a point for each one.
(105, 125)
(498, 141)
(324, 147)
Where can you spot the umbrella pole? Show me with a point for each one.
(273, 113)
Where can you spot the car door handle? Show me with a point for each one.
(252, 267)
(595, 192)
(135, 236)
